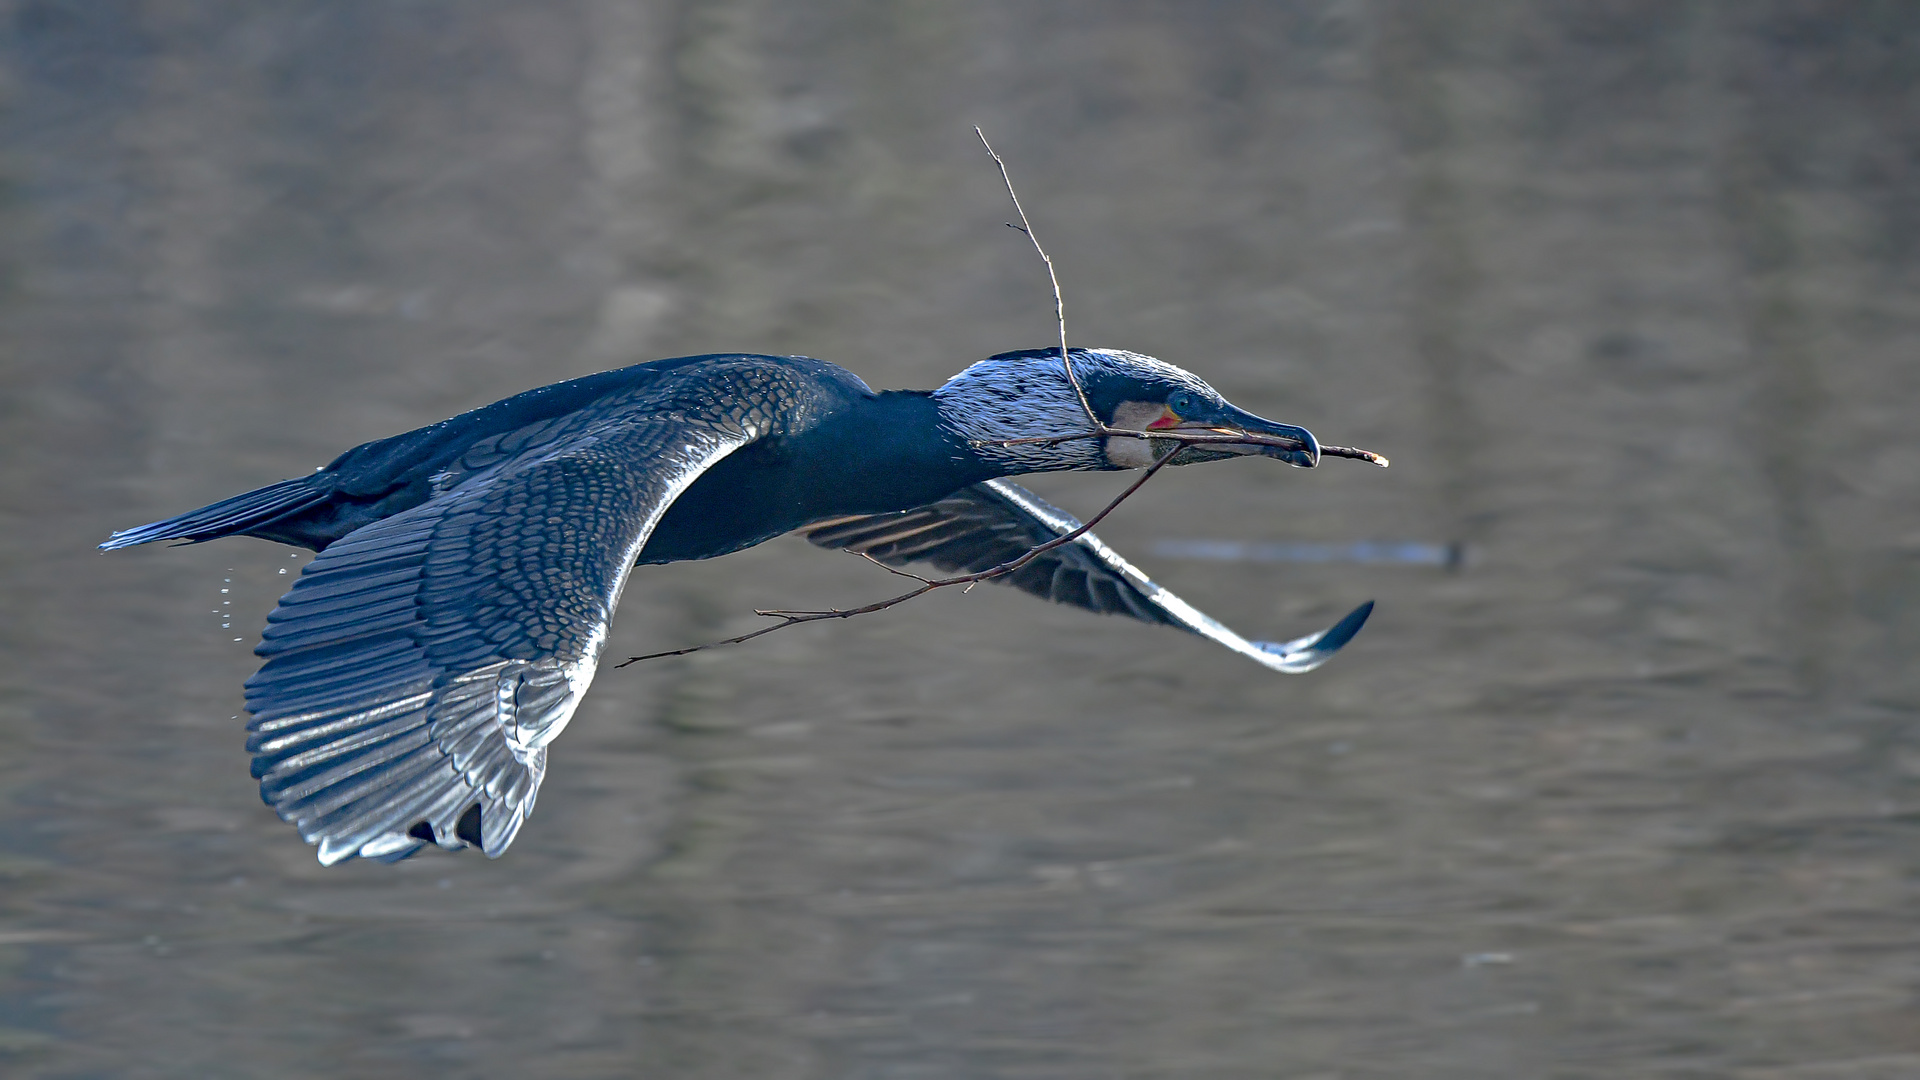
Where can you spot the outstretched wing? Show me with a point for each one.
(420, 666)
(980, 527)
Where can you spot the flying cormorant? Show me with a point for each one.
(444, 635)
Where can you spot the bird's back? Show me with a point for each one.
(378, 479)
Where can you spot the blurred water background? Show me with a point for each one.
(1628, 784)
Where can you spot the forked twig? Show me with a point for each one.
(1099, 430)
(794, 618)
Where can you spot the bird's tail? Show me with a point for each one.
(228, 516)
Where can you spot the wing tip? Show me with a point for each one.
(473, 829)
(1343, 631)
(1302, 655)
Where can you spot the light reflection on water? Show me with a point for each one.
(1402, 552)
(1626, 292)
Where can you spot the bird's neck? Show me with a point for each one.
(893, 451)
(991, 407)
(865, 454)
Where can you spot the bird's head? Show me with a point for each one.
(1026, 395)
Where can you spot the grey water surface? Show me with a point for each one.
(1627, 291)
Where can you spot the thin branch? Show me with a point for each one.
(794, 618)
(1354, 453)
(1059, 306)
(1230, 438)
(894, 570)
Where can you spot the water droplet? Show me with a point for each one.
(236, 639)
(283, 569)
(226, 590)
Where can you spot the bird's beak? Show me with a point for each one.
(1294, 445)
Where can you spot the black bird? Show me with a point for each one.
(454, 617)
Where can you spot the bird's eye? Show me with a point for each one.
(1181, 402)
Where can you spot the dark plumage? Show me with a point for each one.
(467, 571)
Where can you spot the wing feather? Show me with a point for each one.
(420, 666)
(983, 526)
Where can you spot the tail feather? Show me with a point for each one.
(226, 517)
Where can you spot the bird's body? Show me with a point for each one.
(468, 570)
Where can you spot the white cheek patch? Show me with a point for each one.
(1127, 453)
